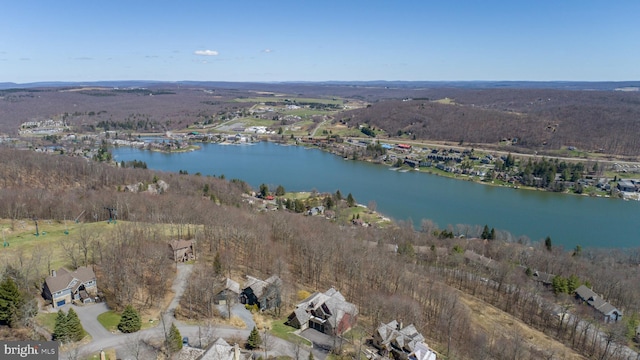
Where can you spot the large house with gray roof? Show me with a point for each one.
(403, 342)
(64, 286)
(326, 312)
(264, 293)
(609, 311)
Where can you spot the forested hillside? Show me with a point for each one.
(539, 119)
(465, 309)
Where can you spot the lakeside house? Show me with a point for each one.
(608, 311)
(64, 286)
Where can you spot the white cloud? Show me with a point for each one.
(267, 51)
(206, 52)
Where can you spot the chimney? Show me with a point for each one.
(400, 325)
(53, 273)
(236, 352)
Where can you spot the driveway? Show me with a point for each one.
(88, 315)
(241, 312)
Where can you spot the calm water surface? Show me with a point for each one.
(569, 220)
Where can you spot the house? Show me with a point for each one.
(326, 312)
(221, 350)
(217, 350)
(627, 185)
(181, 250)
(402, 342)
(609, 311)
(317, 210)
(472, 256)
(227, 291)
(264, 293)
(543, 277)
(422, 352)
(64, 286)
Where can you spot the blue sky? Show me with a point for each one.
(305, 40)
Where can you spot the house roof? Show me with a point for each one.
(543, 277)
(405, 338)
(595, 301)
(180, 244)
(231, 285)
(331, 303)
(258, 286)
(64, 279)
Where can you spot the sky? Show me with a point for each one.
(304, 40)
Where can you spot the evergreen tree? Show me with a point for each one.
(485, 232)
(217, 264)
(60, 329)
(338, 195)
(492, 234)
(175, 339)
(130, 321)
(264, 190)
(350, 200)
(74, 327)
(254, 340)
(11, 302)
(573, 282)
(547, 243)
(280, 190)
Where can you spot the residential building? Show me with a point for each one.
(226, 292)
(264, 293)
(181, 250)
(402, 342)
(607, 310)
(326, 312)
(64, 286)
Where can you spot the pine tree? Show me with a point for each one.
(175, 339)
(74, 327)
(61, 330)
(485, 232)
(217, 264)
(11, 302)
(350, 200)
(547, 243)
(130, 321)
(254, 340)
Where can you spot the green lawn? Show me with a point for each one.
(47, 320)
(285, 332)
(109, 320)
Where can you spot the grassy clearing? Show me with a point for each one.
(264, 99)
(47, 320)
(285, 332)
(109, 320)
(22, 240)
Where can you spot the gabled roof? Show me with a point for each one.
(258, 286)
(180, 244)
(595, 301)
(404, 338)
(66, 279)
(331, 303)
(228, 284)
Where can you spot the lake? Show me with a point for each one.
(570, 220)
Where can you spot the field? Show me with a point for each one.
(20, 239)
